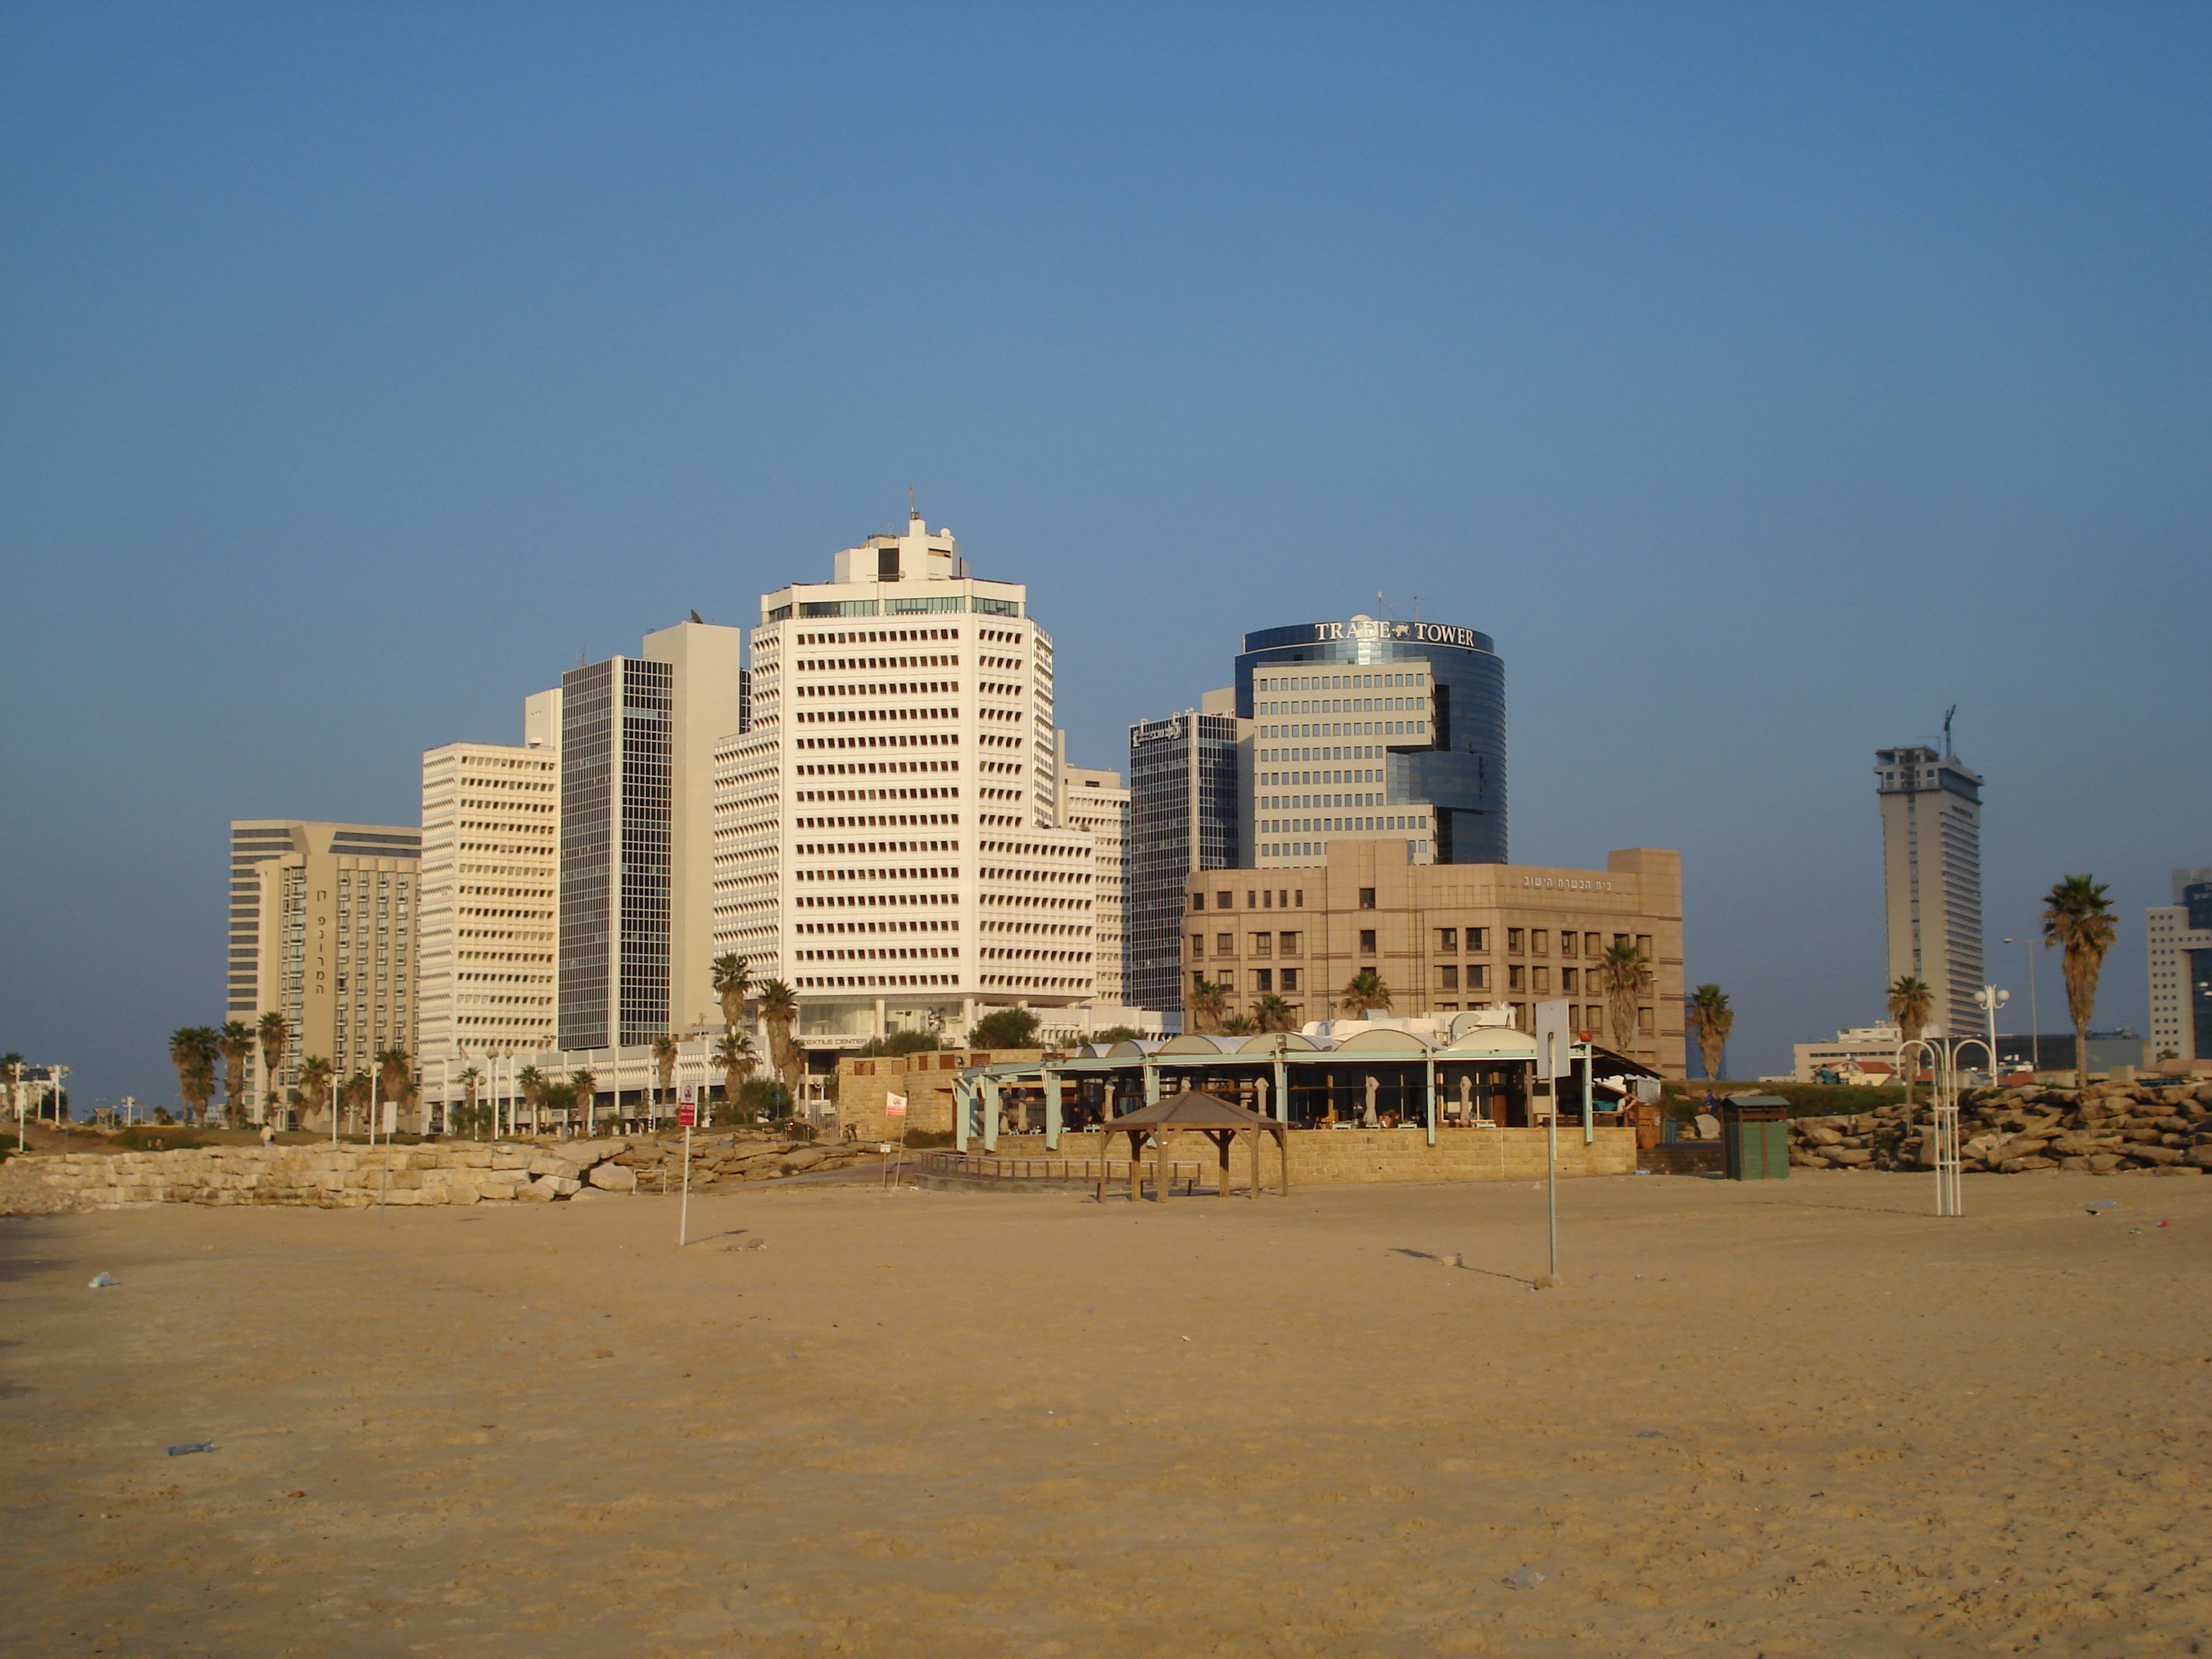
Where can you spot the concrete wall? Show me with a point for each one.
(925, 1080)
(1337, 1156)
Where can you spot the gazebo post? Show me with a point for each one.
(1227, 1136)
(1136, 1179)
(1051, 1110)
(1429, 1066)
(1152, 1084)
(963, 1112)
(1160, 1165)
(992, 1108)
(1282, 1091)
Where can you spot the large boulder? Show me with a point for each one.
(613, 1178)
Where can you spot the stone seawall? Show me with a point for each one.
(456, 1172)
(1337, 1157)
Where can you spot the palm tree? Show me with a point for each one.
(732, 984)
(531, 1082)
(1712, 1019)
(469, 1077)
(1272, 1013)
(1626, 977)
(193, 1050)
(1363, 991)
(585, 1089)
(2077, 917)
(1239, 1025)
(276, 1036)
(353, 1096)
(1208, 1002)
(236, 1042)
(664, 1064)
(314, 1085)
(734, 1054)
(779, 1008)
(395, 1077)
(1911, 1001)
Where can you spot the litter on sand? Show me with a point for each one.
(1651, 1434)
(196, 1446)
(2097, 1204)
(1526, 1579)
(101, 1281)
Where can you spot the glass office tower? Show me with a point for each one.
(1419, 711)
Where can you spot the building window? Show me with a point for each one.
(1367, 898)
(1478, 977)
(1251, 900)
(1567, 937)
(1541, 978)
(1567, 974)
(1367, 941)
(1477, 939)
(1515, 938)
(1448, 977)
(1289, 979)
(1263, 980)
(1448, 939)
(1198, 901)
(1516, 978)
(1197, 946)
(1644, 946)
(1540, 940)
(1263, 945)
(1289, 943)
(1224, 944)
(1645, 1021)
(1225, 900)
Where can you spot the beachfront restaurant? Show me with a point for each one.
(1464, 1071)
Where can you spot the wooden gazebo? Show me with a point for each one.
(1219, 1119)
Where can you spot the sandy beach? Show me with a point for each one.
(1786, 1418)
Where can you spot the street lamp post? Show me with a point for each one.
(1989, 1000)
(2034, 1021)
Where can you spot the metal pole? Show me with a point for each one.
(1551, 1156)
(375, 1106)
(683, 1214)
(1590, 1105)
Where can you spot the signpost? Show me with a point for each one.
(895, 1106)
(687, 1113)
(1555, 1049)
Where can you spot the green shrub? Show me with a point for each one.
(1004, 1028)
(900, 1043)
(159, 1138)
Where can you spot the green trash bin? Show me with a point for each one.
(1755, 1137)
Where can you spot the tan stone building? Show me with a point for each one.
(323, 921)
(1444, 937)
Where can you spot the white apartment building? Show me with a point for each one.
(2180, 940)
(886, 835)
(1095, 800)
(1931, 857)
(491, 894)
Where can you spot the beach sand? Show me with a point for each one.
(1789, 1418)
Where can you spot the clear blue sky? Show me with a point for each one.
(1764, 378)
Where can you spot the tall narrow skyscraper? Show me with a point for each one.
(2179, 938)
(637, 742)
(1931, 855)
(1184, 774)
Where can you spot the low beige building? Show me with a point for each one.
(1444, 937)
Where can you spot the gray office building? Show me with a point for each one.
(1183, 817)
(637, 737)
(1373, 730)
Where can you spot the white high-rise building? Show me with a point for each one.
(1931, 855)
(886, 836)
(490, 893)
(2179, 938)
(1095, 800)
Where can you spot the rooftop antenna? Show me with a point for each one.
(1947, 712)
(1417, 607)
(910, 512)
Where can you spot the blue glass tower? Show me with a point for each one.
(1419, 710)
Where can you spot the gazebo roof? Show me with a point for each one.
(1193, 1108)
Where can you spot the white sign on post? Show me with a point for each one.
(1555, 1042)
(894, 1105)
